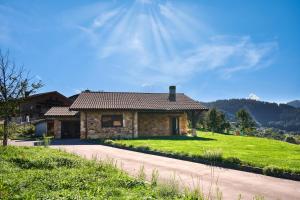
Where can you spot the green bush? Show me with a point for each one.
(46, 140)
(108, 141)
(233, 160)
(17, 131)
(290, 139)
(272, 170)
(213, 155)
(143, 148)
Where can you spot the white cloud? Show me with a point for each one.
(38, 77)
(228, 56)
(78, 91)
(144, 1)
(165, 44)
(253, 96)
(102, 19)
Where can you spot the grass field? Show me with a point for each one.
(252, 151)
(44, 173)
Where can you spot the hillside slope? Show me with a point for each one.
(265, 114)
(295, 103)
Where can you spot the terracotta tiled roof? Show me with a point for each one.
(60, 111)
(134, 101)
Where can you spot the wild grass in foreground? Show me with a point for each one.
(44, 173)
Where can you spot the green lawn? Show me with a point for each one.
(44, 173)
(253, 151)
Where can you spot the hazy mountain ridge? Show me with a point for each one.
(281, 116)
(295, 103)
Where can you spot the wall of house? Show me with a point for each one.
(92, 120)
(147, 124)
(183, 120)
(41, 128)
(158, 124)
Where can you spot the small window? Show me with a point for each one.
(112, 121)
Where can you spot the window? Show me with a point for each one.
(112, 121)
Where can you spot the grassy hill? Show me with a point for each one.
(281, 116)
(44, 173)
(251, 151)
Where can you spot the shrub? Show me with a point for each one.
(154, 177)
(143, 148)
(272, 170)
(233, 160)
(141, 174)
(108, 141)
(46, 140)
(213, 155)
(290, 139)
(169, 189)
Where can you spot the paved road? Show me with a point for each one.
(188, 174)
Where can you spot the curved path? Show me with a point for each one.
(231, 183)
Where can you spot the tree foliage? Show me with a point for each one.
(216, 121)
(273, 115)
(15, 84)
(244, 121)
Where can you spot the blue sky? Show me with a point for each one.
(210, 49)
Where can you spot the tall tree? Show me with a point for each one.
(212, 120)
(244, 121)
(216, 121)
(15, 84)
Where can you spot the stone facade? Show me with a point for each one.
(158, 124)
(134, 124)
(57, 129)
(183, 124)
(92, 120)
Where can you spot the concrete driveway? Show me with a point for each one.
(231, 183)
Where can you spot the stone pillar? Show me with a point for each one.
(194, 133)
(183, 123)
(83, 124)
(57, 129)
(135, 125)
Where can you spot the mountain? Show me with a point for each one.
(295, 103)
(281, 116)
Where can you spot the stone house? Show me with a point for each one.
(124, 115)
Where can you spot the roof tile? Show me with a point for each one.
(134, 101)
(60, 111)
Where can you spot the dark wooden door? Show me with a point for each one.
(70, 129)
(174, 125)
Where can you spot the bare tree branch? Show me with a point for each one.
(14, 84)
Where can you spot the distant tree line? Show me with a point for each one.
(265, 114)
(215, 121)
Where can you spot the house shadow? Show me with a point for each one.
(57, 142)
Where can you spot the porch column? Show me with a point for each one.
(135, 125)
(57, 129)
(193, 123)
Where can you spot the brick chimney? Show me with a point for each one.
(172, 93)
